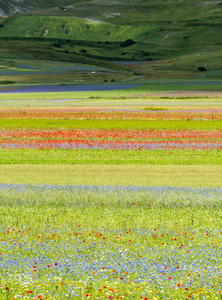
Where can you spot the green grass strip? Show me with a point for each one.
(111, 124)
(109, 157)
(142, 175)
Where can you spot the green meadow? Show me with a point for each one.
(110, 157)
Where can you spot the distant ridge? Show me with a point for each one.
(8, 7)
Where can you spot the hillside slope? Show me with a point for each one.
(72, 28)
(184, 35)
(120, 10)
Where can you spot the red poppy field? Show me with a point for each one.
(111, 139)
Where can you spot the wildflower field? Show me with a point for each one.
(103, 242)
(111, 199)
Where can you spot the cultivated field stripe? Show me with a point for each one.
(111, 124)
(142, 175)
(74, 28)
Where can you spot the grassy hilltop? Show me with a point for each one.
(171, 36)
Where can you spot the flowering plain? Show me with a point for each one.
(110, 241)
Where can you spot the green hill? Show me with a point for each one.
(180, 35)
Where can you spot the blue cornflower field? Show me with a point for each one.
(105, 242)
